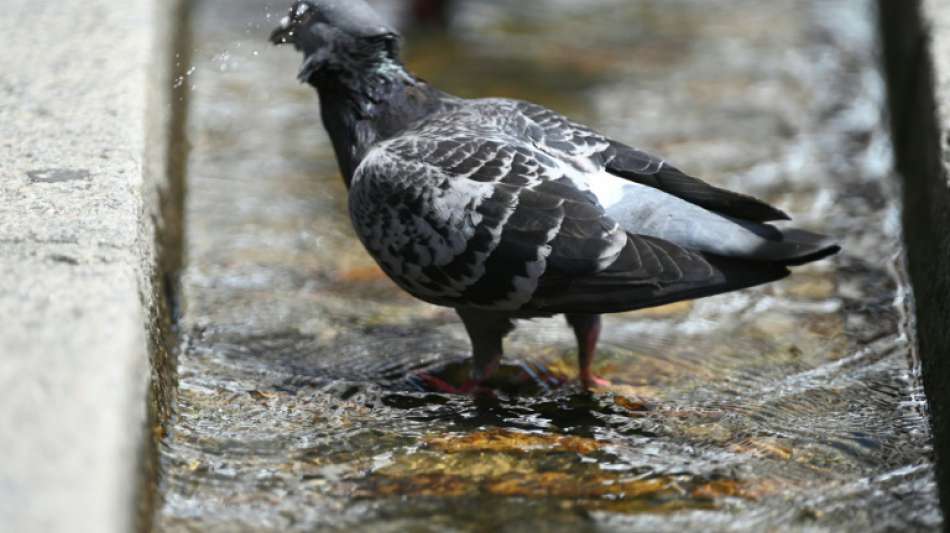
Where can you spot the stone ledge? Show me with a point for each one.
(917, 55)
(85, 198)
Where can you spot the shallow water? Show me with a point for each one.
(793, 406)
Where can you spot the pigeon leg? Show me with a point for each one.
(486, 331)
(587, 331)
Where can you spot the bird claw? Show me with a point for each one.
(436, 384)
(590, 381)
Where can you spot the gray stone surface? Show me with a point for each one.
(81, 128)
(917, 49)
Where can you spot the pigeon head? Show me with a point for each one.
(335, 34)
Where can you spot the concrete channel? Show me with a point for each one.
(92, 113)
(90, 198)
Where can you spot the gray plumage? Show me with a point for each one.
(504, 209)
(354, 17)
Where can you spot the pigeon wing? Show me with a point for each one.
(556, 133)
(492, 223)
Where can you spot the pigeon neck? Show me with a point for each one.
(363, 106)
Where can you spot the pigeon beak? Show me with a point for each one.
(283, 34)
(288, 32)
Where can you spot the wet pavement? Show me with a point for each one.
(794, 406)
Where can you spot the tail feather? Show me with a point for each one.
(794, 247)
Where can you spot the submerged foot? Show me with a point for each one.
(436, 384)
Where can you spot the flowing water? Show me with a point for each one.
(794, 406)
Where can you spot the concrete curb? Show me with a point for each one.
(917, 54)
(86, 187)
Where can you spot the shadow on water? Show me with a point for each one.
(305, 398)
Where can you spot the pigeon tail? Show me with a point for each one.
(797, 247)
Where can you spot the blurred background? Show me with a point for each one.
(793, 406)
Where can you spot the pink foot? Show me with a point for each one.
(440, 385)
(590, 381)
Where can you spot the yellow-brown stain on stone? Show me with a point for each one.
(506, 441)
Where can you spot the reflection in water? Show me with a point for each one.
(795, 405)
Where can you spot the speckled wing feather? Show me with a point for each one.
(559, 133)
(475, 208)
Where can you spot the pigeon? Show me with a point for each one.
(505, 210)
